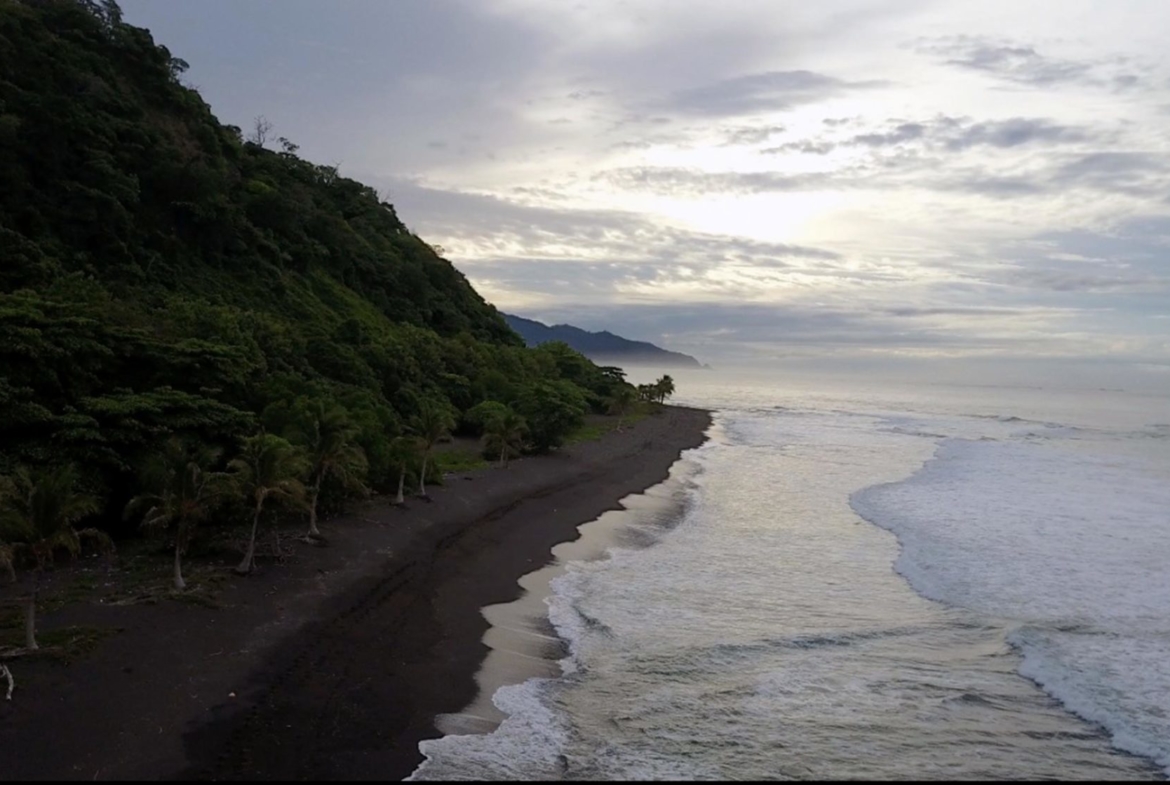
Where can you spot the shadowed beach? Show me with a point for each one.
(336, 664)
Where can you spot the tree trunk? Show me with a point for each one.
(400, 499)
(422, 477)
(180, 584)
(30, 616)
(504, 454)
(313, 530)
(249, 561)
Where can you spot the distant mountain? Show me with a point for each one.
(600, 347)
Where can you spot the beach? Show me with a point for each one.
(335, 664)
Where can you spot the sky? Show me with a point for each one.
(878, 184)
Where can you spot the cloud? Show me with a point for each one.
(1013, 133)
(491, 228)
(906, 132)
(1023, 65)
(973, 197)
(761, 92)
(1128, 259)
(806, 146)
(960, 133)
(1137, 173)
(604, 269)
(684, 181)
(948, 133)
(748, 135)
(930, 155)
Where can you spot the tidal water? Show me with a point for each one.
(918, 582)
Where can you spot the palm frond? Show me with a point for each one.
(40, 509)
(99, 538)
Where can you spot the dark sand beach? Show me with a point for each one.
(335, 664)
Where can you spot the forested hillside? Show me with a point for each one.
(601, 346)
(162, 276)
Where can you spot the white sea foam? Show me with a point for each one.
(1071, 546)
(527, 745)
(764, 634)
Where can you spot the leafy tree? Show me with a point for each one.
(37, 513)
(482, 413)
(612, 372)
(433, 422)
(328, 436)
(552, 410)
(181, 490)
(623, 398)
(505, 433)
(266, 468)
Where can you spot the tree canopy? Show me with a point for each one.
(164, 276)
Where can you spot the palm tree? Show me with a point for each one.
(432, 423)
(266, 468)
(664, 387)
(623, 398)
(328, 436)
(181, 493)
(403, 451)
(508, 431)
(37, 513)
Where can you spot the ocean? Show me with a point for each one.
(853, 581)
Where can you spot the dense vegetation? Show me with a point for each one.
(181, 305)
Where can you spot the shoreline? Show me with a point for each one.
(523, 643)
(336, 664)
(408, 649)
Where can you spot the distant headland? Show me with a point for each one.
(601, 346)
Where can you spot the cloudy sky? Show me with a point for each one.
(746, 180)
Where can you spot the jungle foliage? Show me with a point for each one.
(162, 277)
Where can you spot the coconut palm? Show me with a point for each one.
(37, 513)
(432, 423)
(507, 430)
(664, 387)
(266, 468)
(328, 437)
(182, 490)
(404, 451)
(623, 399)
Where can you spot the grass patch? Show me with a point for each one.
(588, 432)
(148, 578)
(597, 426)
(458, 460)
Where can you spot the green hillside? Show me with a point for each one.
(161, 275)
